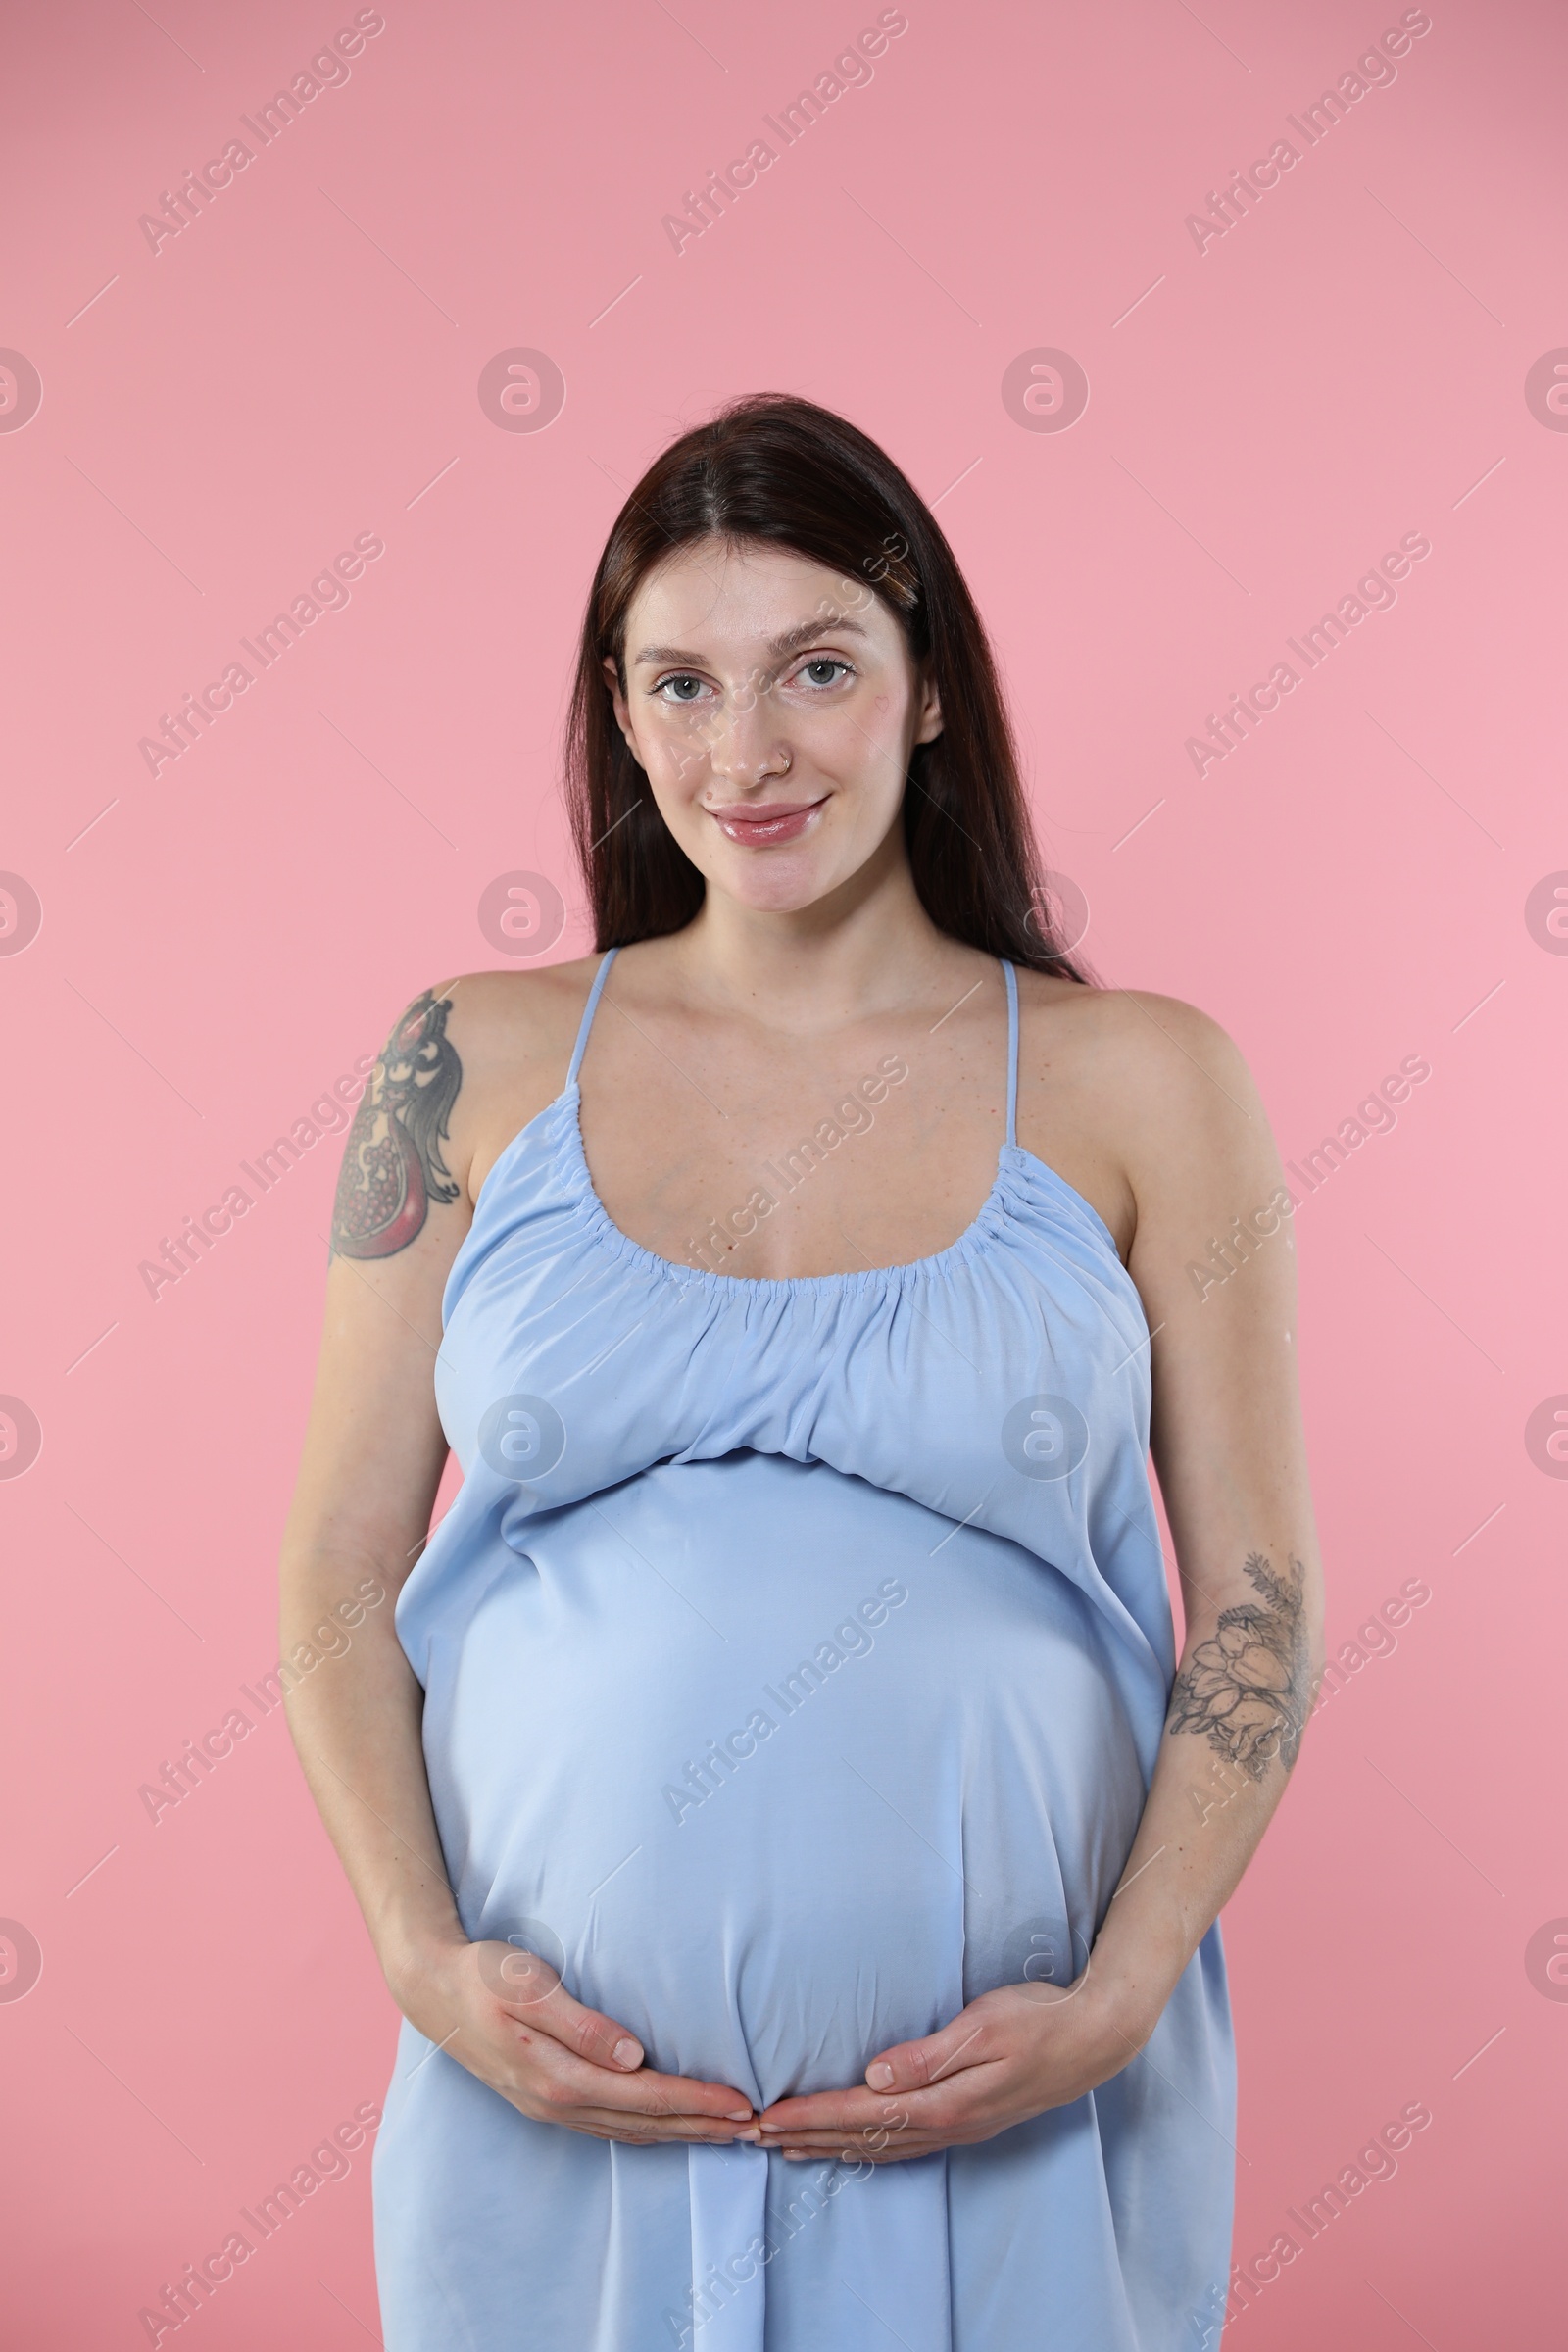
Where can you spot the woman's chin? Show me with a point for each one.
(773, 881)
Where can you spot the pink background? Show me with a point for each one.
(1265, 418)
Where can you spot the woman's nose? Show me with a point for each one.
(745, 740)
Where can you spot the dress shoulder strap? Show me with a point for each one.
(1012, 978)
(588, 1011)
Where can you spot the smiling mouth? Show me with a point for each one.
(759, 827)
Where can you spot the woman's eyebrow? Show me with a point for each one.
(780, 647)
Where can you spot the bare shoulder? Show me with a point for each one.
(503, 1022)
(467, 1062)
(489, 1029)
(1150, 1095)
(513, 1033)
(1152, 1053)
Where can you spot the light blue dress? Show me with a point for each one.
(796, 1657)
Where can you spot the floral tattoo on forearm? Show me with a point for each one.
(392, 1164)
(1245, 1688)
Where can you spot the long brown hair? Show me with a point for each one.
(773, 467)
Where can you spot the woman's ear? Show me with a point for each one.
(619, 704)
(930, 722)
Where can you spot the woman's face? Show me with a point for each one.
(774, 707)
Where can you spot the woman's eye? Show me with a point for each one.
(824, 662)
(684, 680)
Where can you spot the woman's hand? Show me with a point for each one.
(1010, 2055)
(506, 2016)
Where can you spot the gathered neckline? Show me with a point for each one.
(567, 1109)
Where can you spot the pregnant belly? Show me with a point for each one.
(778, 1768)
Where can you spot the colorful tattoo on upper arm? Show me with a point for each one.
(1246, 1687)
(392, 1164)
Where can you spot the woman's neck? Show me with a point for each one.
(868, 946)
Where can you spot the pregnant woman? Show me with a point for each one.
(776, 1802)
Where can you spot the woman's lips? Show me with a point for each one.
(771, 821)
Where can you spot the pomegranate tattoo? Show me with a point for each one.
(392, 1164)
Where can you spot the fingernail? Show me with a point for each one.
(880, 2076)
(628, 2052)
(738, 2115)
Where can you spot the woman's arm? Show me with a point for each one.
(1230, 1453)
(1227, 1442)
(372, 1460)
